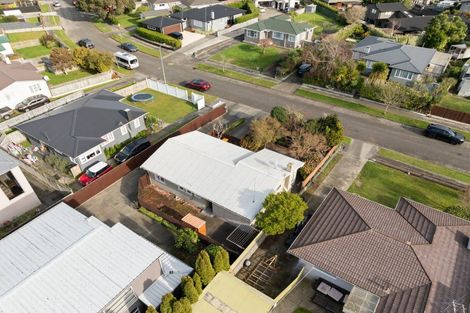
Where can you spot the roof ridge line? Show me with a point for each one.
(467, 223)
(352, 206)
(406, 200)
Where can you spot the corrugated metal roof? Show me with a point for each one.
(7, 162)
(63, 261)
(228, 175)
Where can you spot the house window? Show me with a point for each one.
(291, 38)
(109, 138)
(181, 189)
(251, 34)
(10, 187)
(123, 130)
(151, 27)
(278, 35)
(35, 88)
(89, 155)
(369, 64)
(136, 123)
(403, 74)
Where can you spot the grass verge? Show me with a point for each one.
(385, 185)
(426, 165)
(64, 78)
(321, 177)
(456, 103)
(236, 75)
(405, 120)
(142, 48)
(103, 27)
(65, 39)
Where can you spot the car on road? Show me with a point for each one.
(6, 113)
(128, 47)
(131, 150)
(198, 84)
(32, 103)
(93, 172)
(56, 4)
(304, 68)
(176, 35)
(444, 133)
(87, 43)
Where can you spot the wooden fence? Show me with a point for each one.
(318, 167)
(451, 114)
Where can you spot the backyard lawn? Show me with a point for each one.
(33, 52)
(65, 39)
(15, 37)
(386, 185)
(128, 20)
(165, 107)
(321, 22)
(456, 103)
(63, 78)
(249, 56)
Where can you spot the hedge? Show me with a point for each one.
(251, 10)
(158, 37)
(326, 6)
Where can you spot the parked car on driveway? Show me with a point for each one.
(32, 103)
(176, 35)
(93, 172)
(198, 84)
(87, 43)
(56, 4)
(132, 149)
(444, 133)
(6, 113)
(128, 47)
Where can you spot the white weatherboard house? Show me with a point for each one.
(63, 261)
(16, 194)
(226, 180)
(19, 81)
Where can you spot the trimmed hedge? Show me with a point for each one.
(244, 18)
(158, 37)
(251, 10)
(326, 6)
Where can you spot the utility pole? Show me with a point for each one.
(163, 67)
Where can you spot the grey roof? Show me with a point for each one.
(7, 162)
(79, 126)
(161, 21)
(413, 24)
(404, 255)
(403, 57)
(390, 7)
(10, 73)
(193, 3)
(280, 23)
(152, 13)
(204, 14)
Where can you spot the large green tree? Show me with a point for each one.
(204, 267)
(106, 9)
(219, 257)
(189, 290)
(167, 303)
(197, 283)
(444, 30)
(281, 211)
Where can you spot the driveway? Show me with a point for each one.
(190, 37)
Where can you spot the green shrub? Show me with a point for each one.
(183, 305)
(219, 257)
(361, 66)
(113, 20)
(151, 309)
(10, 19)
(59, 162)
(48, 41)
(158, 37)
(197, 283)
(167, 303)
(187, 239)
(331, 127)
(203, 267)
(250, 8)
(280, 113)
(189, 290)
(111, 151)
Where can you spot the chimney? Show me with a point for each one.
(367, 49)
(127, 114)
(212, 15)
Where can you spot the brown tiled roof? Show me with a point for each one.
(414, 257)
(10, 73)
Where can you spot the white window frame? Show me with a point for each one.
(181, 189)
(151, 27)
(252, 33)
(280, 37)
(406, 75)
(136, 123)
(123, 130)
(109, 137)
(291, 38)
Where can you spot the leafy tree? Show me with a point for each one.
(442, 89)
(197, 283)
(281, 211)
(354, 14)
(280, 113)
(346, 76)
(332, 128)
(265, 43)
(189, 290)
(151, 309)
(219, 257)
(105, 9)
(98, 61)
(391, 95)
(379, 71)
(307, 145)
(80, 55)
(62, 59)
(204, 267)
(182, 305)
(167, 303)
(187, 239)
(444, 30)
(262, 132)
(361, 66)
(47, 41)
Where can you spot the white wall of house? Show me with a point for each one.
(19, 91)
(28, 200)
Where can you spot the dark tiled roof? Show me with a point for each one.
(413, 24)
(414, 257)
(390, 7)
(204, 14)
(161, 21)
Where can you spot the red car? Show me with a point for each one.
(198, 84)
(95, 171)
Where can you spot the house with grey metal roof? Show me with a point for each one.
(411, 259)
(281, 30)
(406, 63)
(16, 194)
(63, 261)
(82, 129)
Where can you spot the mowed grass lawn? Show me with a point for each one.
(248, 56)
(16, 37)
(321, 22)
(65, 39)
(152, 51)
(457, 103)
(33, 52)
(64, 78)
(165, 107)
(386, 185)
(128, 20)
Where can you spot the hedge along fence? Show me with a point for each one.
(327, 10)
(251, 10)
(158, 37)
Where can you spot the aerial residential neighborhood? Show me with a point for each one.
(249, 156)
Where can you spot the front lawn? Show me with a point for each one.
(236, 75)
(64, 78)
(128, 20)
(165, 107)
(249, 56)
(321, 22)
(103, 27)
(65, 39)
(45, 7)
(152, 51)
(33, 52)
(385, 185)
(456, 103)
(32, 20)
(16, 37)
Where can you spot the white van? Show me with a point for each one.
(126, 60)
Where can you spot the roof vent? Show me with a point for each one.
(127, 114)
(367, 49)
(212, 15)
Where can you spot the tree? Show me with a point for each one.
(262, 132)
(265, 43)
(361, 66)
(306, 145)
(187, 239)
(379, 71)
(151, 309)
(332, 128)
(280, 113)
(182, 305)
(189, 290)
(395, 24)
(204, 267)
(48, 41)
(391, 94)
(80, 55)
(62, 59)
(354, 14)
(197, 283)
(219, 257)
(167, 303)
(98, 61)
(281, 211)
(444, 30)
(219, 128)
(107, 9)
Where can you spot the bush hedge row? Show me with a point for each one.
(250, 8)
(158, 37)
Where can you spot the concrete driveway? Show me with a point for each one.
(189, 38)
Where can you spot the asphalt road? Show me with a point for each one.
(179, 68)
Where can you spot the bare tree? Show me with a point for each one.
(219, 128)
(354, 14)
(306, 145)
(391, 95)
(395, 24)
(62, 59)
(265, 43)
